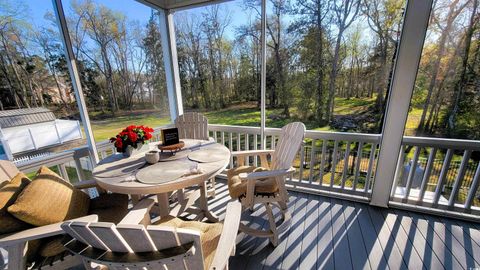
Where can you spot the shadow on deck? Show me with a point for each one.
(336, 234)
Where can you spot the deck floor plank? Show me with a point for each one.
(308, 254)
(370, 238)
(358, 251)
(470, 229)
(341, 247)
(464, 238)
(325, 235)
(443, 253)
(409, 253)
(335, 234)
(390, 248)
(291, 257)
(465, 259)
(430, 259)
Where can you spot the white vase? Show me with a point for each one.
(130, 151)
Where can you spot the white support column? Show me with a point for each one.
(263, 74)
(415, 23)
(169, 47)
(74, 77)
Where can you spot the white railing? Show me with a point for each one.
(438, 173)
(337, 163)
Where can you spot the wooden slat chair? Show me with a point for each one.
(266, 184)
(194, 125)
(171, 244)
(16, 243)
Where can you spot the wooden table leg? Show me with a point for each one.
(135, 198)
(204, 203)
(163, 204)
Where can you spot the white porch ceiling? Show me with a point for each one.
(179, 4)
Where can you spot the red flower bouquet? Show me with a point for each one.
(134, 136)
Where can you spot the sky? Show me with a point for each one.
(136, 11)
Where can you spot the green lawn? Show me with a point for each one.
(239, 115)
(104, 129)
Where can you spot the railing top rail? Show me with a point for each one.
(51, 160)
(311, 134)
(442, 143)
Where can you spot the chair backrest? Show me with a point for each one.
(123, 246)
(288, 144)
(192, 125)
(7, 171)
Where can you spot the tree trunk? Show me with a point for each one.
(452, 14)
(460, 84)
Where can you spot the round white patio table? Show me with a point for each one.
(197, 162)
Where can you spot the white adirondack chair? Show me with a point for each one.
(194, 125)
(133, 244)
(266, 184)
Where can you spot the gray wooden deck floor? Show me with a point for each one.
(336, 234)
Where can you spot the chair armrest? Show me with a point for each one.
(226, 244)
(242, 156)
(85, 184)
(265, 174)
(40, 232)
(139, 214)
(252, 153)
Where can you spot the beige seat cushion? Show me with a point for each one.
(209, 234)
(8, 194)
(238, 188)
(51, 246)
(49, 199)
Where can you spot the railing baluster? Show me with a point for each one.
(247, 147)
(78, 167)
(411, 174)
(346, 160)
(103, 155)
(428, 171)
(230, 147)
(357, 165)
(215, 136)
(460, 176)
(312, 161)
(371, 160)
(239, 147)
(63, 172)
(273, 142)
(223, 137)
(255, 147)
(473, 188)
(443, 176)
(334, 163)
(322, 160)
(302, 161)
(398, 170)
